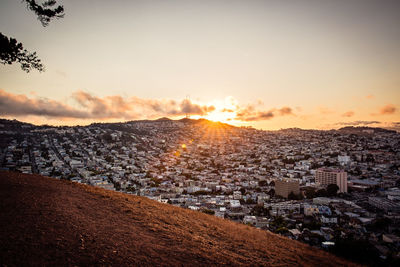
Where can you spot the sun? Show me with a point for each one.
(220, 116)
(225, 111)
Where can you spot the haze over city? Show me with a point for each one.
(266, 64)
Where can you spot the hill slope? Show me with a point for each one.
(45, 221)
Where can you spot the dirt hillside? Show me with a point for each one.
(44, 221)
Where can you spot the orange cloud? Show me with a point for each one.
(388, 109)
(251, 114)
(92, 107)
(348, 114)
(188, 107)
(19, 105)
(285, 111)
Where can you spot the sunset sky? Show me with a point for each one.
(266, 64)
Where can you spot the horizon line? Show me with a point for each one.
(198, 119)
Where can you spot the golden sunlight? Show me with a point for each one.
(225, 111)
(219, 116)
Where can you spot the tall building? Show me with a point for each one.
(284, 187)
(326, 176)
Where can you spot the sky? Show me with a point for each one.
(265, 64)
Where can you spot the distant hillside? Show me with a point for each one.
(14, 125)
(51, 222)
(164, 119)
(364, 129)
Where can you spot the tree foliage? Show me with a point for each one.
(332, 189)
(293, 196)
(358, 250)
(46, 11)
(321, 193)
(13, 51)
(310, 193)
(259, 211)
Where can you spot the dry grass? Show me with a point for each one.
(50, 222)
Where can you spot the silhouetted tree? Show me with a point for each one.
(357, 250)
(45, 11)
(271, 192)
(259, 211)
(380, 224)
(321, 193)
(12, 51)
(332, 189)
(250, 201)
(293, 196)
(310, 193)
(262, 183)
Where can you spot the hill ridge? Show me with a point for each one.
(55, 222)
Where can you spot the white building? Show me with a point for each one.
(344, 160)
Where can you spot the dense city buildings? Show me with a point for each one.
(384, 204)
(325, 188)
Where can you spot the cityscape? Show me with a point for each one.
(322, 188)
(199, 133)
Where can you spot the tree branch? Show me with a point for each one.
(45, 11)
(11, 51)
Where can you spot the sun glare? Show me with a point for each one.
(219, 116)
(225, 111)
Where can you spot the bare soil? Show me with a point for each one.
(49, 222)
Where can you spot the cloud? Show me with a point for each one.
(250, 113)
(259, 116)
(89, 106)
(285, 111)
(370, 96)
(358, 123)
(265, 115)
(18, 105)
(187, 107)
(104, 108)
(388, 109)
(348, 114)
(93, 107)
